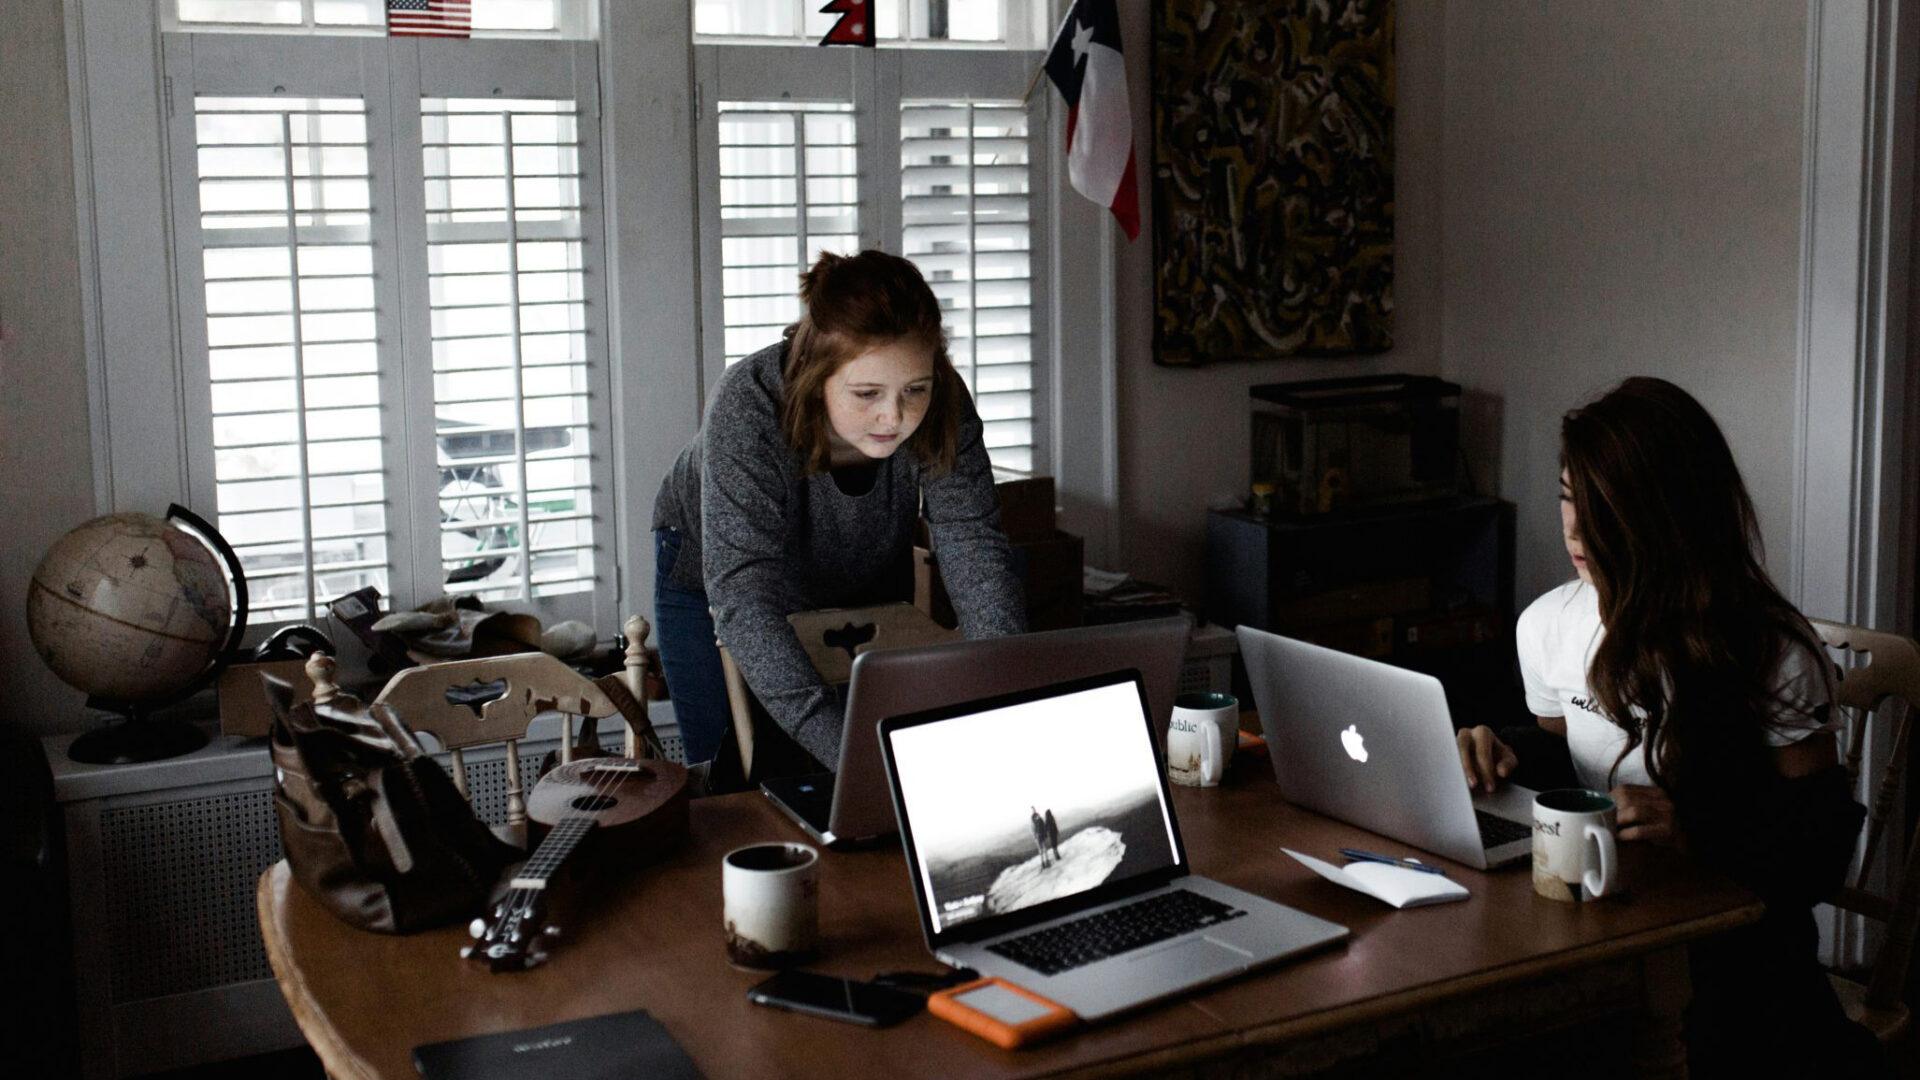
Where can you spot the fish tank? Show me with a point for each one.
(1328, 445)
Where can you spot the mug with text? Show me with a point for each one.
(1204, 732)
(770, 896)
(1574, 857)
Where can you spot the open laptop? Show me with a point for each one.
(1042, 847)
(1373, 744)
(849, 806)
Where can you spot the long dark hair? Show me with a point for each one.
(852, 303)
(1695, 630)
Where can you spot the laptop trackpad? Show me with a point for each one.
(1190, 961)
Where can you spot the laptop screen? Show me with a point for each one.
(1038, 800)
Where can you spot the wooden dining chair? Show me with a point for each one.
(756, 749)
(493, 699)
(1879, 668)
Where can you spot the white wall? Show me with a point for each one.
(1583, 193)
(1183, 433)
(1621, 196)
(46, 464)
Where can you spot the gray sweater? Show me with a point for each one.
(765, 540)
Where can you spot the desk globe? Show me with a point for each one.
(137, 612)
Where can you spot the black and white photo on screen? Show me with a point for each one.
(1027, 803)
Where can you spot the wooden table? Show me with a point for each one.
(1436, 975)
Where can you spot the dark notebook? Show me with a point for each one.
(624, 1044)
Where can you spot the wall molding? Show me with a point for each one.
(1853, 503)
(1849, 499)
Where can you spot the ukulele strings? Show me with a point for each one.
(606, 783)
(520, 901)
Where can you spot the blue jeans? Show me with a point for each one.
(688, 655)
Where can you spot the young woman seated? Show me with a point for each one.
(1671, 673)
(817, 457)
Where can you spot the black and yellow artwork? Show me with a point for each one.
(1272, 178)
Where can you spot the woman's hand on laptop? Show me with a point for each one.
(1484, 758)
(1645, 813)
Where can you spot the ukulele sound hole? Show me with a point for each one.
(593, 804)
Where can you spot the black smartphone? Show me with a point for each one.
(837, 998)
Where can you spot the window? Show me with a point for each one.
(965, 221)
(391, 330)
(512, 371)
(921, 150)
(788, 191)
(291, 346)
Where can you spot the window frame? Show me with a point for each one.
(387, 74)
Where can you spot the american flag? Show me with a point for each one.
(430, 18)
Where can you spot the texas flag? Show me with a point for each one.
(1085, 63)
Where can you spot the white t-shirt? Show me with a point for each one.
(1556, 637)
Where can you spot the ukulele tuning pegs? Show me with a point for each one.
(466, 952)
(550, 932)
(477, 929)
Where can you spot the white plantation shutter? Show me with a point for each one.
(789, 189)
(291, 345)
(391, 320)
(512, 386)
(966, 222)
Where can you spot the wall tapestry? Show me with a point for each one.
(1272, 178)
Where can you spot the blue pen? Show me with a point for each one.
(1374, 856)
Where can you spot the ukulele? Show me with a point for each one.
(635, 810)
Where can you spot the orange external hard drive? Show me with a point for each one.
(1001, 1013)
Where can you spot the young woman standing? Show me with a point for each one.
(816, 459)
(1672, 673)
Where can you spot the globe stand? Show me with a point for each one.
(136, 737)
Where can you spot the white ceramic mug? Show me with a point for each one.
(1201, 737)
(770, 895)
(1574, 857)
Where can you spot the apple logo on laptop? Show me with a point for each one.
(1356, 745)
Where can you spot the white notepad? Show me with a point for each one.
(1396, 885)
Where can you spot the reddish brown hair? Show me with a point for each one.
(850, 304)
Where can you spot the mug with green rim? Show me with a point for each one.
(1574, 854)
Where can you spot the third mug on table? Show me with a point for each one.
(1201, 737)
(1574, 854)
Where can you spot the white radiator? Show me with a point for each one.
(162, 859)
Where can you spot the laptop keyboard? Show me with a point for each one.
(1495, 831)
(1069, 945)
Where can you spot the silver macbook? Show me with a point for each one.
(849, 806)
(1043, 849)
(1373, 744)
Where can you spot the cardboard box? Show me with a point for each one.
(1049, 567)
(244, 709)
(1026, 508)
